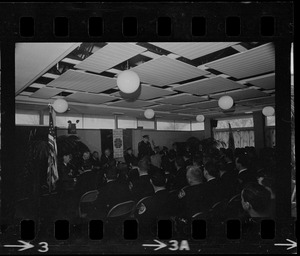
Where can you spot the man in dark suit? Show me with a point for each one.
(111, 194)
(142, 187)
(144, 147)
(179, 180)
(106, 158)
(154, 207)
(191, 197)
(129, 157)
(211, 190)
(228, 179)
(245, 175)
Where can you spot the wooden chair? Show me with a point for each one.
(138, 204)
(87, 197)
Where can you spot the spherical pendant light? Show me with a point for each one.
(128, 81)
(268, 111)
(149, 113)
(200, 118)
(60, 105)
(225, 102)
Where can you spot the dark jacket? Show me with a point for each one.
(142, 188)
(179, 180)
(212, 193)
(245, 177)
(228, 184)
(111, 194)
(65, 181)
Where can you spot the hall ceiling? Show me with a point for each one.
(178, 80)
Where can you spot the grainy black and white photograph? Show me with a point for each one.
(147, 147)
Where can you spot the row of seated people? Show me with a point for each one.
(200, 189)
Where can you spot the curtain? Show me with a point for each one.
(241, 138)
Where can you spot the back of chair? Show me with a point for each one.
(121, 209)
(87, 197)
(234, 206)
(138, 205)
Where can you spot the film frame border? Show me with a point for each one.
(215, 15)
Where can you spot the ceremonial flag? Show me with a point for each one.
(231, 139)
(52, 173)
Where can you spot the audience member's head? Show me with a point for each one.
(123, 170)
(156, 149)
(210, 170)
(186, 155)
(179, 162)
(194, 175)
(129, 151)
(256, 200)
(171, 156)
(67, 158)
(112, 173)
(158, 179)
(197, 161)
(144, 166)
(95, 155)
(241, 162)
(107, 152)
(86, 155)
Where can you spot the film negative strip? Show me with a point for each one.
(75, 51)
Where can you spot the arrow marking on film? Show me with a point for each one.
(292, 245)
(24, 246)
(160, 245)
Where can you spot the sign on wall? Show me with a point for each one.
(118, 143)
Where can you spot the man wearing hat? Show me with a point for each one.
(144, 147)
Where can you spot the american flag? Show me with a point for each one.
(52, 173)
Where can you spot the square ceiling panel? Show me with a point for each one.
(242, 94)
(258, 101)
(204, 105)
(209, 86)
(253, 62)
(85, 82)
(165, 71)
(150, 92)
(131, 104)
(266, 82)
(89, 98)
(110, 56)
(181, 99)
(193, 50)
(46, 93)
(166, 107)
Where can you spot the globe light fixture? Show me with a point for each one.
(268, 111)
(128, 81)
(200, 118)
(149, 113)
(60, 105)
(225, 102)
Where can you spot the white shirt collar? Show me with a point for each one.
(210, 179)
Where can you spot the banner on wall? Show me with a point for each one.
(118, 143)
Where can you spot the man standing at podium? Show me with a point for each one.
(144, 147)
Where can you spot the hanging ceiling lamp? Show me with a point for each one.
(128, 81)
(200, 118)
(149, 113)
(268, 111)
(225, 102)
(60, 105)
